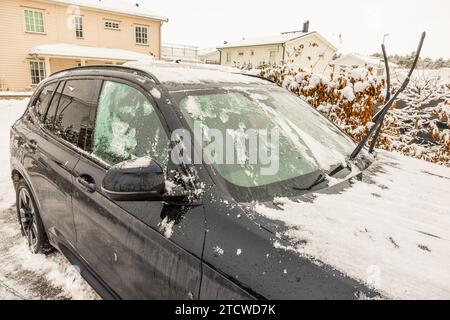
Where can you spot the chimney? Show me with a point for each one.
(306, 26)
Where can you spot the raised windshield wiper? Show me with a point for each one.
(379, 116)
(320, 179)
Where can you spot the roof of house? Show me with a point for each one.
(72, 50)
(128, 7)
(369, 60)
(274, 39)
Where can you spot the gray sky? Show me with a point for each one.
(207, 23)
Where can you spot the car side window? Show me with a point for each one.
(43, 100)
(72, 117)
(51, 110)
(128, 127)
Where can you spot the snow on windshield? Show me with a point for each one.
(392, 233)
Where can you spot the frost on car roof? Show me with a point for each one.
(193, 73)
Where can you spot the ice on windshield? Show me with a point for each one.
(307, 141)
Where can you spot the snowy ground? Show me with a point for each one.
(22, 274)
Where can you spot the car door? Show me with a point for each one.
(140, 250)
(50, 159)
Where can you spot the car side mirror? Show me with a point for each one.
(135, 180)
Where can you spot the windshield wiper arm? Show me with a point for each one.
(379, 116)
(338, 169)
(320, 179)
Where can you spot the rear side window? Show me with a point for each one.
(43, 100)
(51, 111)
(127, 126)
(71, 121)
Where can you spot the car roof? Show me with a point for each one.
(171, 74)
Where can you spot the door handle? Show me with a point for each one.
(87, 183)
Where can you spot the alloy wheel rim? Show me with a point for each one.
(28, 218)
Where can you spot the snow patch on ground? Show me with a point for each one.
(24, 275)
(10, 111)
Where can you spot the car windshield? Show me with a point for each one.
(307, 142)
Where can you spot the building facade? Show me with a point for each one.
(357, 61)
(307, 50)
(39, 37)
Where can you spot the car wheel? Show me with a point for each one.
(30, 220)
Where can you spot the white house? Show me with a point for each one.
(353, 61)
(316, 51)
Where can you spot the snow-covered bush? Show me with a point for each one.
(350, 98)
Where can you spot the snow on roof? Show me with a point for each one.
(369, 60)
(191, 73)
(72, 50)
(390, 231)
(129, 7)
(274, 39)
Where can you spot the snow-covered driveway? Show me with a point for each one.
(22, 274)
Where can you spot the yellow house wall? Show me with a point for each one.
(15, 43)
(260, 54)
(61, 64)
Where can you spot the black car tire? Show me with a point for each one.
(30, 221)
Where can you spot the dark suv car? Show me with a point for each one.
(94, 179)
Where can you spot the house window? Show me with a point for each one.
(273, 55)
(241, 54)
(141, 35)
(113, 25)
(34, 21)
(37, 70)
(79, 27)
(252, 53)
(228, 56)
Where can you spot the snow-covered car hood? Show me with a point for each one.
(390, 231)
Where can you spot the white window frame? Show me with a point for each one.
(79, 28)
(29, 25)
(36, 79)
(111, 27)
(139, 35)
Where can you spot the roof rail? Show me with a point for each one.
(109, 67)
